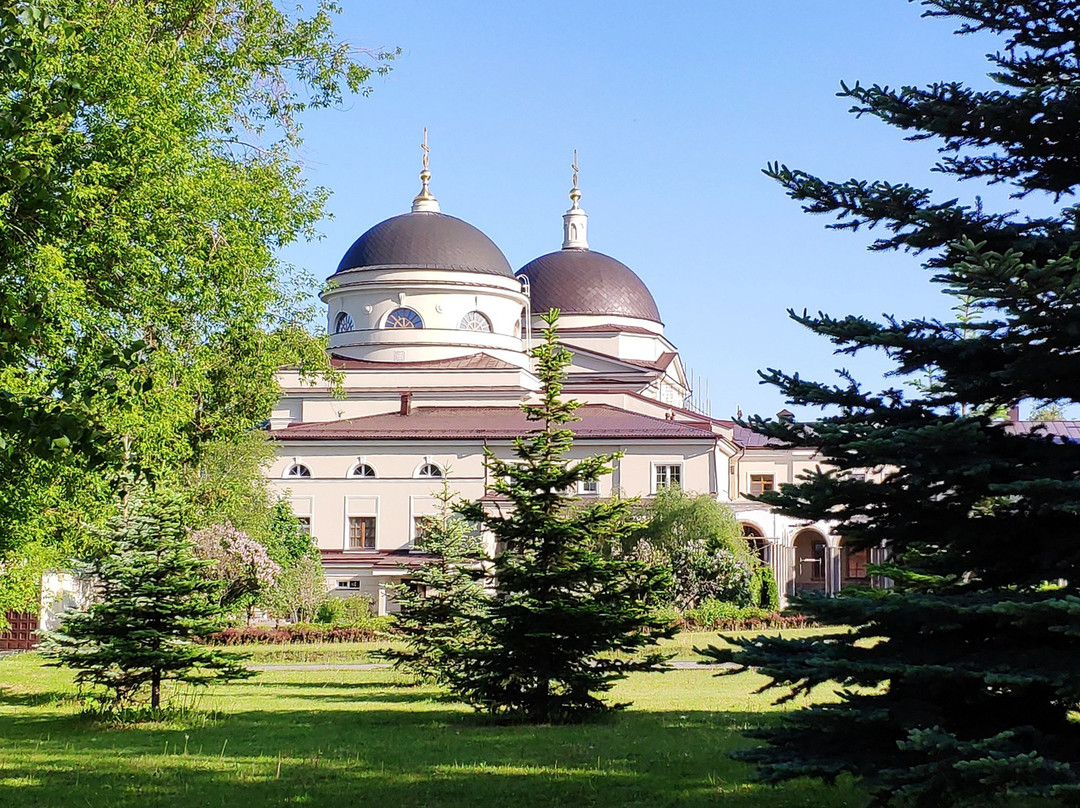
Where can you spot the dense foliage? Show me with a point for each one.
(147, 180)
(960, 683)
(154, 603)
(700, 542)
(565, 622)
(443, 603)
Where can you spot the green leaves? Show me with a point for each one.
(147, 180)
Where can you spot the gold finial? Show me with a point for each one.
(575, 193)
(424, 200)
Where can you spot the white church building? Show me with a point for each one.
(431, 329)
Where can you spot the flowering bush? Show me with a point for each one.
(241, 563)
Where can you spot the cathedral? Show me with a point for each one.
(431, 331)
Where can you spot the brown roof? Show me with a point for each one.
(373, 559)
(1061, 431)
(623, 329)
(426, 240)
(477, 361)
(588, 282)
(662, 363)
(428, 423)
(749, 439)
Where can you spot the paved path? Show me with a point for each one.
(676, 664)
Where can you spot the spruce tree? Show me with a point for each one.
(155, 602)
(564, 622)
(443, 602)
(960, 684)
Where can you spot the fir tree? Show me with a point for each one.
(960, 684)
(443, 602)
(565, 621)
(155, 603)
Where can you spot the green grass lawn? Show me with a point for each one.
(367, 738)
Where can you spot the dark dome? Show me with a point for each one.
(587, 282)
(426, 241)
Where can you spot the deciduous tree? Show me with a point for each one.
(147, 180)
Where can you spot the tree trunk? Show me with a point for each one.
(155, 691)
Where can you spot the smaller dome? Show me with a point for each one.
(588, 282)
(426, 241)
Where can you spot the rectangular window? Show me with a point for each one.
(420, 525)
(342, 584)
(304, 524)
(354, 584)
(817, 571)
(361, 532)
(760, 483)
(667, 475)
(589, 488)
(855, 563)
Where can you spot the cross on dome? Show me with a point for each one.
(425, 202)
(575, 220)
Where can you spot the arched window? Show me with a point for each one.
(343, 323)
(429, 470)
(404, 318)
(475, 321)
(298, 470)
(362, 470)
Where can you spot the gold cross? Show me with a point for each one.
(573, 165)
(424, 146)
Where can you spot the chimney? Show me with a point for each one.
(406, 404)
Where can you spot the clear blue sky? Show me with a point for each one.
(674, 109)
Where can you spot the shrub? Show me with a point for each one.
(718, 615)
(356, 610)
(300, 633)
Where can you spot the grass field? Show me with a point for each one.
(367, 738)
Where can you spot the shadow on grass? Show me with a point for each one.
(37, 698)
(391, 756)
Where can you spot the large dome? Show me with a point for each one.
(586, 282)
(426, 240)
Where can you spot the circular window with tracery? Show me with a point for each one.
(344, 323)
(404, 318)
(475, 321)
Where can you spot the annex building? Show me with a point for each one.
(431, 328)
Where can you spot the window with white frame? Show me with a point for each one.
(362, 470)
(303, 524)
(361, 533)
(429, 470)
(298, 470)
(589, 488)
(667, 475)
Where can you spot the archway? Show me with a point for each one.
(809, 561)
(756, 539)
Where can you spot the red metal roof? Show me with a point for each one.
(427, 423)
(373, 559)
(1063, 431)
(477, 361)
